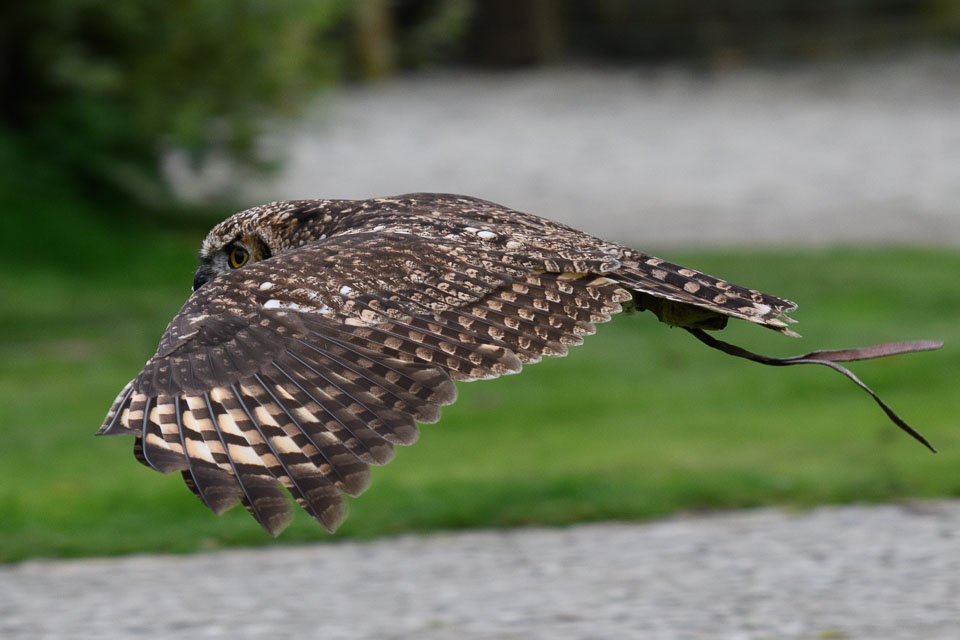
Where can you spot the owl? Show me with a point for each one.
(320, 332)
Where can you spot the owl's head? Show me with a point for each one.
(258, 234)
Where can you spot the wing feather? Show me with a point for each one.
(115, 417)
(161, 444)
(463, 361)
(665, 280)
(360, 429)
(215, 486)
(334, 458)
(262, 496)
(311, 485)
(383, 392)
(426, 385)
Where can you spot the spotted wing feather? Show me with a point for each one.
(557, 247)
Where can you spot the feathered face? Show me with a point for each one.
(217, 259)
(253, 235)
(223, 253)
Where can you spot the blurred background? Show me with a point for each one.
(811, 149)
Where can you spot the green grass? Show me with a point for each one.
(642, 421)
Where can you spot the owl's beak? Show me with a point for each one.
(203, 275)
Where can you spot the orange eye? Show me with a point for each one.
(238, 257)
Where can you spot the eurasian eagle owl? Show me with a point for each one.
(321, 331)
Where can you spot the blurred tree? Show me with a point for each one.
(431, 31)
(375, 38)
(404, 34)
(507, 33)
(102, 89)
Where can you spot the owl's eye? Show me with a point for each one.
(238, 257)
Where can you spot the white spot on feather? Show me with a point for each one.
(486, 235)
(344, 290)
(264, 286)
(293, 306)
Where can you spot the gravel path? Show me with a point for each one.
(855, 153)
(877, 573)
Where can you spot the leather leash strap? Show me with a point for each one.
(830, 358)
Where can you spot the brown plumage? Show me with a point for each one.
(321, 331)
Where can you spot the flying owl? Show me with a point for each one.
(320, 332)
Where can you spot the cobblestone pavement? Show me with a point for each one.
(876, 573)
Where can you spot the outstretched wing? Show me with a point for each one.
(306, 368)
